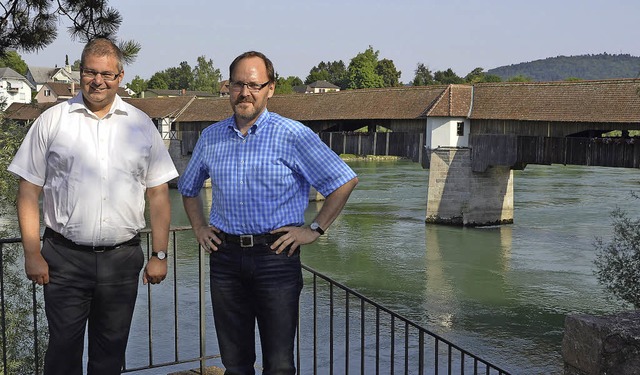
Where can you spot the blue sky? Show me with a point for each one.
(297, 35)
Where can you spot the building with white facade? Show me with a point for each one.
(14, 87)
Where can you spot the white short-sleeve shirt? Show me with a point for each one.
(94, 172)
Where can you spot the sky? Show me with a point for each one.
(297, 35)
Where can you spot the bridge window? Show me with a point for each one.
(460, 129)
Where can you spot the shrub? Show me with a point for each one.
(618, 260)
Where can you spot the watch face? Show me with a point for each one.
(316, 227)
(161, 255)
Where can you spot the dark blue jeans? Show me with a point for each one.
(249, 285)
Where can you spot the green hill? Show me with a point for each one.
(587, 67)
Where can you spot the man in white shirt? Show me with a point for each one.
(92, 158)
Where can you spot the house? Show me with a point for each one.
(224, 88)
(59, 92)
(316, 88)
(14, 87)
(38, 76)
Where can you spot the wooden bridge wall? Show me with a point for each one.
(546, 128)
(518, 151)
(406, 145)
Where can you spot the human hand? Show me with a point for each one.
(293, 237)
(155, 271)
(36, 268)
(207, 237)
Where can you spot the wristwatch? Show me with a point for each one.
(316, 227)
(160, 255)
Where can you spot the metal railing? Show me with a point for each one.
(340, 330)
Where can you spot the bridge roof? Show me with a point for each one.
(582, 101)
(606, 101)
(455, 101)
(207, 110)
(387, 103)
(161, 107)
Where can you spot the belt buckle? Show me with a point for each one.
(97, 249)
(246, 240)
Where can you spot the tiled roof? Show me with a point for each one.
(62, 89)
(583, 101)
(161, 107)
(587, 101)
(207, 110)
(388, 103)
(166, 92)
(42, 74)
(8, 73)
(455, 101)
(27, 112)
(323, 85)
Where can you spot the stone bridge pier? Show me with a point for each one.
(459, 196)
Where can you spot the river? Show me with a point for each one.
(499, 292)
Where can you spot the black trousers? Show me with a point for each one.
(95, 287)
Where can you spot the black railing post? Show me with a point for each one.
(3, 312)
(36, 354)
(203, 320)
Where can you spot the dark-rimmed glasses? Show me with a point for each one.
(253, 87)
(107, 76)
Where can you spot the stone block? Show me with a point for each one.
(602, 344)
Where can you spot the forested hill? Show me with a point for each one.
(602, 66)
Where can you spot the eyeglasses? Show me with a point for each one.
(253, 87)
(107, 76)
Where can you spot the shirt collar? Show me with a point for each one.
(261, 122)
(77, 104)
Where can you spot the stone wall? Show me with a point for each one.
(602, 344)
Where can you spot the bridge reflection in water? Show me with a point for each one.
(340, 330)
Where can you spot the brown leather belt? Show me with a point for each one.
(50, 233)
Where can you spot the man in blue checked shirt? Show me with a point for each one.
(261, 166)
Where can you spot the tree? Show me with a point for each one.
(31, 25)
(18, 323)
(520, 78)
(318, 73)
(137, 85)
(14, 61)
(390, 75)
(423, 76)
(334, 72)
(76, 65)
(205, 76)
(286, 85)
(447, 77)
(478, 75)
(180, 77)
(362, 70)
(159, 80)
(618, 261)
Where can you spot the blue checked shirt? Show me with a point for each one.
(261, 181)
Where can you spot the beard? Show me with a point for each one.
(246, 109)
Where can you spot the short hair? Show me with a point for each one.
(102, 47)
(268, 64)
